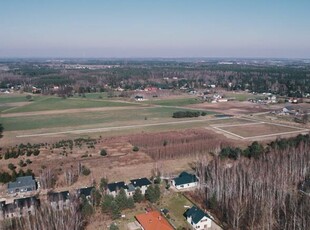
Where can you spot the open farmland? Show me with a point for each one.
(258, 130)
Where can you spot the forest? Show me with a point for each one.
(262, 192)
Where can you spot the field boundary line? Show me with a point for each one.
(230, 133)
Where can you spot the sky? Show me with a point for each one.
(155, 28)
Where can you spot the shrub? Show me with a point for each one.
(135, 149)
(11, 166)
(85, 171)
(103, 152)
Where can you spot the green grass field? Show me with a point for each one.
(56, 103)
(110, 118)
(15, 98)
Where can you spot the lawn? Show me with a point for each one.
(56, 103)
(174, 102)
(242, 96)
(14, 98)
(118, 117)
(175, 203)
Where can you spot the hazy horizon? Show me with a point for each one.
(154, 29)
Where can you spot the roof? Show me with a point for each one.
(131, 188)
(185, 178)
(140, 182)
(196, 214)
(85, 191)
(57, 196)
(22, 181)
(153, 221)
(116, 186)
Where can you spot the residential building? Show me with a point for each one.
(185, 180)
(197, 218)
(141, 183)
(153, 221)
(22, 184)
(113, 188)
(86, 192)
(19, 207)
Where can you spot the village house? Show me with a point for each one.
(153, 221)
(19, 207)
(184, 181)
(139, 98)
(22, 184)
(113, 188)
(141, 183)
(197, 218)
(86, 192)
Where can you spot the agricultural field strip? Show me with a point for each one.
(271, 123)
(299, 130)
(116, 128)
(66, 111)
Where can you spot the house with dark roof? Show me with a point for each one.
(86, 192)
(197, 218)
(185, 180)
(19, 207)
(113, 188)
(141, 183)
(22, 184)
(59, 200)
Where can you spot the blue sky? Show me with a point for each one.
(149, 28)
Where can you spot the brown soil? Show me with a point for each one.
(234, 107)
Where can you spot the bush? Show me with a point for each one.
(182, 114)
(85, 171)
(135, 149)
(103, 152)
(11, 166)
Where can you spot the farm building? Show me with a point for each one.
(197, 218)
(185, 180)
(22, 184)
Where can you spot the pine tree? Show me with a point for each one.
(137, 196)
